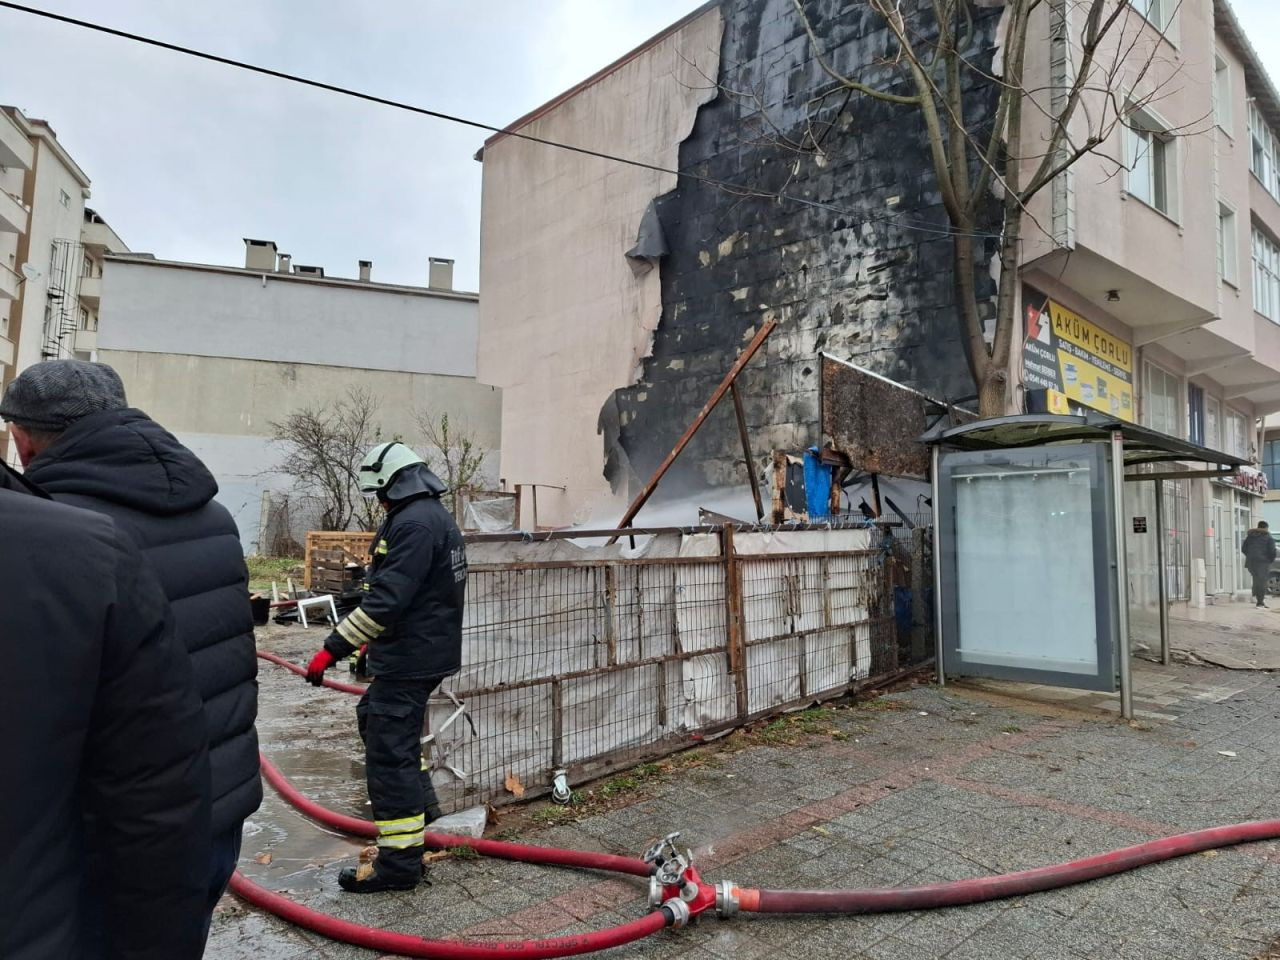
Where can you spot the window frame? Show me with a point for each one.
(1159, 162)
(1231, 417)
(1223, 102)
(1270, 465)
(1195, 414)
(1228, 245)
(1264, 151)
(1265, 254)
(1177, 409)
(1212, 415)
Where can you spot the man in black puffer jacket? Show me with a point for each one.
(106, 801)
(80, 442)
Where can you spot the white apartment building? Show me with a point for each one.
(1171, 267)
(217, 354)
(51, 251)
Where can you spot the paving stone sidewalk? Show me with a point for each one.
(924, 785)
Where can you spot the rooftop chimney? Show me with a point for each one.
(441, 275)
(282, 264)
(300, 270)
(366, 269)
(259, 255)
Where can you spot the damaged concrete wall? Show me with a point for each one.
(566, 318)
(862, 271)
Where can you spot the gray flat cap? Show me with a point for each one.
(55, 394)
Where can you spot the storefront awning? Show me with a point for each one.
(1141, 444)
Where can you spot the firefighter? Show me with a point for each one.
(411, 620)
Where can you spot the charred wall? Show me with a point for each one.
(850, 272)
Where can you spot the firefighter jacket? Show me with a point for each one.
(411, 615)
(105, 810)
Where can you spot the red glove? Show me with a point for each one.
(321, 662)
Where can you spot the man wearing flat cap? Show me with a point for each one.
(80, 442)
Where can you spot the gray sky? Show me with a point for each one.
(187, 157)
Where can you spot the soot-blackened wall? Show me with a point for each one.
(853, 272)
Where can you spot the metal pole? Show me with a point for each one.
(935, 476)
(1163, 581)
(746, 448)
(1122, 576)
(743, 359)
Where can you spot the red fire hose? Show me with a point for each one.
(405, 945)
(301, 671)
(500, 849)
(727, 899)
(980, 889)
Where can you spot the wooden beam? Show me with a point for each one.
(743, 359)
(746, 449)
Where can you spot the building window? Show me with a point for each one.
(64, 198)
(1150, 162)
(1237, 434)
(1157, 12)
(84, 319)
(1162, 401)
(1227, 244)
(1195, 413)
(1222, 93)
(1212, 424)
(1262, 158)
(1271, 463)
(1266, 275)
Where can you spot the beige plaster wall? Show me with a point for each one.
(564, 319)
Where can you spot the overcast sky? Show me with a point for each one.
(188, 157)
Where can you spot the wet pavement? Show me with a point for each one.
(923, 785)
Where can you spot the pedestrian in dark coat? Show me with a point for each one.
(106, 803)
(82, 444)
(1259, 549)
(411, 622)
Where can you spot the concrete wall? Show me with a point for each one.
(156, 307)
(217, 355)
(564, 319)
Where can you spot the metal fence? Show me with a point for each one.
(595, 663)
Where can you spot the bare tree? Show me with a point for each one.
(454, 451)
(323, 448)
(1101, 85)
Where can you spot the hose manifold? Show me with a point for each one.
(727, 903)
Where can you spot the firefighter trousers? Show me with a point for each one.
(391, 715)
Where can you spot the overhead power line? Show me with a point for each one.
(739, 190)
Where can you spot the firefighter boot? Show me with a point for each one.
(400, 870)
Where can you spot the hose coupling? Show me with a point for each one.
(727, 903)
(655, 893)
(679, 911)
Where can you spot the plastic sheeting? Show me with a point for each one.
(589, 653)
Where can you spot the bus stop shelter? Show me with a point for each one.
(1030, 567)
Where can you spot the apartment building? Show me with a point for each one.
(51, 251)
(218, 354)
(1149, 279)
(1165, 267)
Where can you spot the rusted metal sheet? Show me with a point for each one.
(875, 422)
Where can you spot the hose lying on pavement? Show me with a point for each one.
(500, 849)
(998, 887)
(405, 945)
(725, 897)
